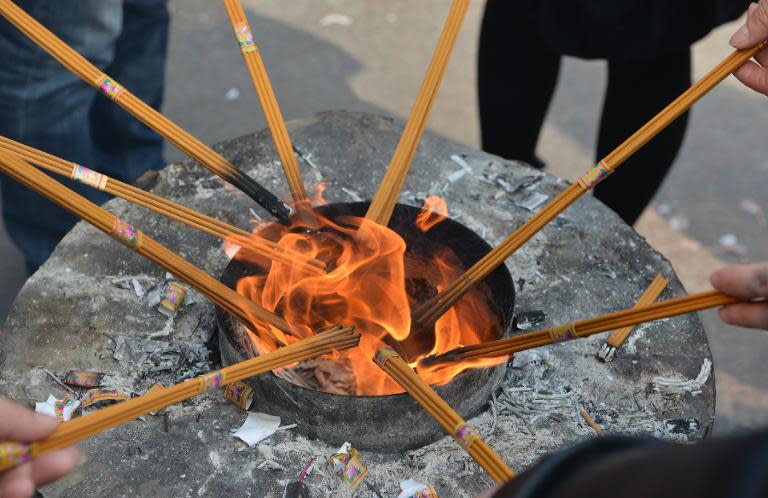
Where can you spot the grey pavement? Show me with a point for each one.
(346, 54)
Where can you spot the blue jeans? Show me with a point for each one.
(45, 106)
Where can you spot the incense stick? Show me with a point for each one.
(432, 309)
(78, 429)
(451, 422)
(190, 217)
(384, 201)
(584, 328)
(591, 422)
(246, 311)
(266, 94)
(608, 350)
(89, 73)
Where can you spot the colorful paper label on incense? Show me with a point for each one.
(354, 470)
(173, 298)
(65, 407)
(211, 381)
(384, 354)
(465, 436)
(95, 396)
(240, 394)
(245, 38)
(127, 234)
(110, 88)
(565, 332)
(595, 175)
(12, 454)
(84, 378)
(83, 175)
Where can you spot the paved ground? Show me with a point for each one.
(346, 54)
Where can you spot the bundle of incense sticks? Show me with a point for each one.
(245, 310)
(190, 217)
(78, 429)
(266, 94)
(585, 328)
(384, 201)
(463, 434)
(89, 73)
(432, 309)
(608, 350)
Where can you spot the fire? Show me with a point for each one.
(372, 283)
(434, 211)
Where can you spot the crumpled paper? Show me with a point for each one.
(347, 461)
(63, 409)
(257, 427)
(415, 489)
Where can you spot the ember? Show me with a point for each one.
(374, 279)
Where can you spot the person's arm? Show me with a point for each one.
(754, 74)
(18, 423)
(746, 282)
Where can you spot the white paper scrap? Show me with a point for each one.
(68, 407)
(257, 427)
(410, 488)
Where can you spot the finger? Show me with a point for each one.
(19, 423)
(762, 57)
(17, 482)
(55, 464)
(750, 315)
(743, 281)
(754, 76)
(755, 30)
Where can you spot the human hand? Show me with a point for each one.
(746, 282)
(754, 74)
(18, 423)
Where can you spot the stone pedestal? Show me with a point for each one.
(74, 310)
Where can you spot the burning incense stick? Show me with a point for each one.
(246, 311)
(585, 328)
(267, 97)
(78, 429)
(385, 199)
(608, 350)
(463, 434)
(431, 310)
(89, 73)
(190, 217)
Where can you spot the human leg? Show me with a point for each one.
(124, 147)
(45, 106)
(638, 90)
(517, 74)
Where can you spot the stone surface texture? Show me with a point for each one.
(82, 305)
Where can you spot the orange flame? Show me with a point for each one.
(372, 283)
(434, 211)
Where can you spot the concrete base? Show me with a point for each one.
(587, 262)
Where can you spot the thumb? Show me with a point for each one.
(755, 30)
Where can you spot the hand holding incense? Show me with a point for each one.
(247, 241)
(385, 199)
(89, 73)
(433, 309)
(464, 435)
(585, 328)
(266, 94)
(246, 311)
(78, 429)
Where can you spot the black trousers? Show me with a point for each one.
(517, 74)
